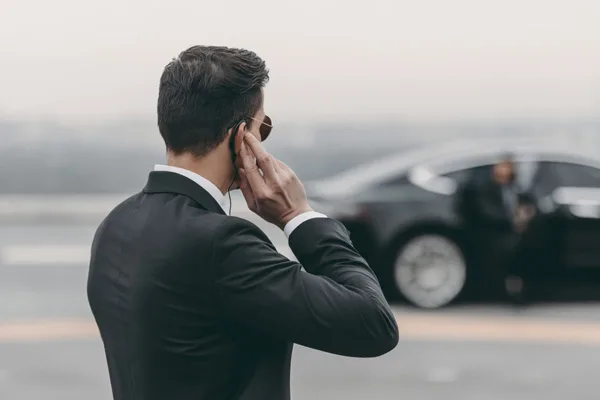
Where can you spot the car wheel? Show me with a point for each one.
(429, 271)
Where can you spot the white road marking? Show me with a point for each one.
(53, 255)
(57, 205)
(45, 255)
(92, 206)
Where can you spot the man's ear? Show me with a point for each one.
(239, 137)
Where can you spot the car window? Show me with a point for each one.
(525, 171)
(463, 175)
(570, 174)
(400, 179)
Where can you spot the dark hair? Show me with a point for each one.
(507, 157)
(204, 92)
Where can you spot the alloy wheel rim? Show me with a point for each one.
(430, 271)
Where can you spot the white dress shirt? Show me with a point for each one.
(220, 198)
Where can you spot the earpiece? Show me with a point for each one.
(234, 133)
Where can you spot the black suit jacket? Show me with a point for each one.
(482, 205)
(194, 304)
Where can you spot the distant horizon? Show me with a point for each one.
(308, 121)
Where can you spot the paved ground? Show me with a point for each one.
(49, 348)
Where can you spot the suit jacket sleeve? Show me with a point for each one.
(492, 212)
(336, 306)
(489, 207)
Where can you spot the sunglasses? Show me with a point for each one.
(265, 127)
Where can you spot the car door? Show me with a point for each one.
(570, 194)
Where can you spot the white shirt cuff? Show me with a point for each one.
(299, 219)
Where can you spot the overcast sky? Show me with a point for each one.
(415, 60)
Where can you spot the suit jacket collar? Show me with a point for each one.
(171, 182)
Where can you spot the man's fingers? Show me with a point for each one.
(283, 166)
(263, 159)
(253, 175)
(277, 166)
(285, 172)
(281, 169)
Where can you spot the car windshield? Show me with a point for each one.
(383, 168)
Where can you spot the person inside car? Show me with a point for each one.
(496, 213)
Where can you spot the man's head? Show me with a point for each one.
(204, 93)
(504, 170)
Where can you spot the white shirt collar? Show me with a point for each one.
(204, 183)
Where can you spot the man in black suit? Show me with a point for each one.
(497, 214)
(192, 303)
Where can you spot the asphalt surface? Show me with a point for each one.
(49, 348)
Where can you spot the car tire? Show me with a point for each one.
(429, 271)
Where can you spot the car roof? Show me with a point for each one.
(453, 151)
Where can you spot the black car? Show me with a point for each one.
(402, 216)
